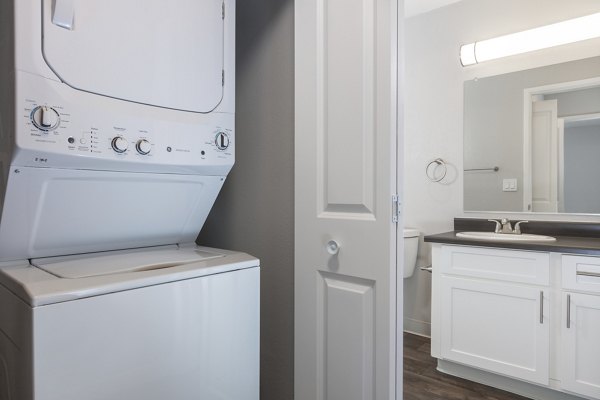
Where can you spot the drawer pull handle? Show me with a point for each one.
(541, 306)
(593, 274)
(568, 311)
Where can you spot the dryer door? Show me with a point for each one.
(162, 53)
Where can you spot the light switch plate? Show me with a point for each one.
(509, 185)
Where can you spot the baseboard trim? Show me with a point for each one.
(420, 328)
(521, 388)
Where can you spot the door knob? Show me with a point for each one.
(332, 247)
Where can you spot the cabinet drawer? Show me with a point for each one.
(499, 264)
(581, 273)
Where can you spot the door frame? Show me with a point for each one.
(399, 148)
(529, 96)
(562, 131)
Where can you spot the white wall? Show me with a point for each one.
(434, 109)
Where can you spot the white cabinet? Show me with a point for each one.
(495, 309)
(581, 344)
(580, 325)
(522, 317)
(496, 326)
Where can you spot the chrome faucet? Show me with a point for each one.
(517, 229)
(498, 225)
(504, 226)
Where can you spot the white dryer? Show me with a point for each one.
(116, 135)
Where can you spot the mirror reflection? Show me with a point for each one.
(532, 140)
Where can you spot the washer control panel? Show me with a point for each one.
(198, 140)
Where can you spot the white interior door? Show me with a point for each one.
(345, 303)
(561, 165)
(544, 156)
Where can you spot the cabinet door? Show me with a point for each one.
(581, 344)
(499, 327)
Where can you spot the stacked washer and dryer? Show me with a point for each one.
(116, 134)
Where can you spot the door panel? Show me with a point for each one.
(497, 327)
(345, 302)
(346, 114)
(581, 350)
(173, 55)
(347, 318)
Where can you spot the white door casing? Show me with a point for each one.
(530, 97)
(345, 162)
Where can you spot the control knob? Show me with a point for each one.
(222, 141)
(45, 118)
(143, 146)
(119, 144)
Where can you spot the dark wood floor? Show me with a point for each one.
(423, 382)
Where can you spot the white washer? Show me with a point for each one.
(174, 322)
(116, 135)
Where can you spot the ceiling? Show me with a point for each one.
(414, 7)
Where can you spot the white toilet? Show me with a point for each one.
(411, 246)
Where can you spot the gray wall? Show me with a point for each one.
(582, 191)
(7, 91)
(493, 130)
(577, 102)
(254, 212)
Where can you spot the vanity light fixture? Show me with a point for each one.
(570, 31)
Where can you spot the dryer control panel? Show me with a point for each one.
(55, 133)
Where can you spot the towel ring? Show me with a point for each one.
(431, 172)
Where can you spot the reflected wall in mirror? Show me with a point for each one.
(532, 140)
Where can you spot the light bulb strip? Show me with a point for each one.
(565, 32)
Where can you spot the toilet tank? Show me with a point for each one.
(411, 247)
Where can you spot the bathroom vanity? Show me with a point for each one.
(523, 316)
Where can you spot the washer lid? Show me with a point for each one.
(162, 53)
(37, 287)
(109, 263)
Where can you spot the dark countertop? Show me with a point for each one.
(563, 244)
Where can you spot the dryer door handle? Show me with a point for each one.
(63, 13)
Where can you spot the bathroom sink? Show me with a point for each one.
(505, 237)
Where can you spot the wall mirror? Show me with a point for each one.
(532, 140)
